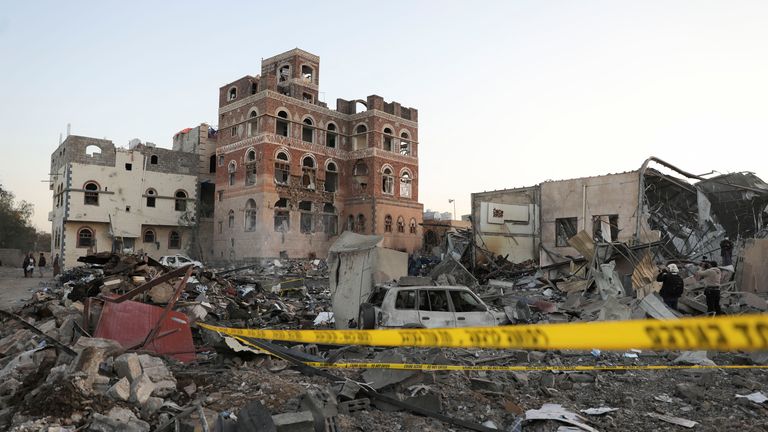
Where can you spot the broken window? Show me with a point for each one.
(464, 301)
(253, 123)
(331, 177)
(405, 300)
(181, 201)
(307, 73)
(360, 224)
(305, 207)
(149, 236)
(153, 160)
(405, 144)
(250, 167)
(308, 172)
(151, 196)
(605, 228)
(129, 167)
(307, 130)
(387, 181)
(254, 88)
(250, 215)
(387, 223)
(91, 194)
(232, 95)
(330, 219)
(92, 150)
(231, 170)
(405, 184)
(282, 216)
(284, 73)
(433, 300)
(360, 174)
(281, 124)
(350, 223)
(212, 164)
(387, 139)
(412, 226)
(400, 224)
(221, 160)
(174, 240)
(565, 228)
(330, 137)
(307, 97)
(360, 138)
(85, 237)
(231, 219)
(282, 168)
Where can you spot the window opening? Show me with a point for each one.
(330, 138)
(405, 184)
(91, 194)
(400, 224)
(306, 73)
(350, 223)
(284, 73)
(330, 219)
(253, 123)
(412, 226)
(254, 88)
(174, 240)
(250, 215)
(387, 139)
(212, 164)
(282, 216)
(307, 131)
(231, 219)
(360, 224)
(565, 228)
(153, 160)
(360, 139)
(282, 168)
(605, 228)
(387, 223)
(181, 201)
(129, 167)
(149, 236)
(388, 181)
(405, 300)
(151, 197)
(331, 177)
(281, 124)
(405, 144)
(85, 237)
(464, 301)
(92, 150)
(231, 170)
(232, 94)
(308, 172)
(306, 217)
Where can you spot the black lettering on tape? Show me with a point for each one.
(762, 332)
(653, 335)
(721, 341)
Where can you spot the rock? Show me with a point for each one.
(520, 377)
(151, 406)
(537, 356)
(155, 368)
(128, 366)
(694, 358)
(190, 389)
(161, 293)
(141, 389)
(121, 390)
(118, 419)
(9, 386)
(581, 377)
(294, 422)
(164, 388)
(689, 391)
(255, 417)
(486, 385)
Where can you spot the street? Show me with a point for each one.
(15, 288)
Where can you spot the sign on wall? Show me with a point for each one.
(501, 213)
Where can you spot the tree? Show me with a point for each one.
(16, 230)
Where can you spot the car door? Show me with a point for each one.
(435, 308)
(470, 310)
(402, 312)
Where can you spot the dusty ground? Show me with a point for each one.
(15, 288)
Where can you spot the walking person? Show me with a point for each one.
(30, 265)
(710, 275)
(41, 264)
(671, 285)
(24, 264)
(56, 265)
(726, 251)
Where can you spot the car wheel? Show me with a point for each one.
(367, 317)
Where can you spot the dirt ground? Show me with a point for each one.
(15, 288)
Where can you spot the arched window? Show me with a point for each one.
(181, 201)
(360, 225)
(387, 181)
(308, 130)
(387, 139)
(405, 144)
(231, 219)
(232, 95)
(308, 172)
(412, 226)
(331, 136)
(253, 123)
(91, 194)
(351, 223)
(330, 219)
(149, 236)
(153, 160)
(254, 88)
(174, 240)
(250, 167)
(151, 197)
(305, 223)
(92, 150)
(360, 138)
(231, 169)
(400, 224)
(250, 215)
(331, 177)
(85, 238)
(405, 183)
(282, 216)
(281, 124)
(282, 168)
(387, 223)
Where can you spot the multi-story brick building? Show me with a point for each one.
(292, 173)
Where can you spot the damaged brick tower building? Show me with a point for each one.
(291, 173)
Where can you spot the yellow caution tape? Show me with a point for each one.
(731, 333)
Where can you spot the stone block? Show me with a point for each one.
(486, 385)
(121, 390)
(155, 368)
(164, 388)
(118, 419)
(294, 422)
(128, 366)
(141, 389)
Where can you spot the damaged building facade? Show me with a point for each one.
(291, 173)
(106, 198)
(682, 216)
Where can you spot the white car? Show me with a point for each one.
(176, 261)
(428, 307)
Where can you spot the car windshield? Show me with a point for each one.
(464, 301)
(377, 298)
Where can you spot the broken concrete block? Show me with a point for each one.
(689, 391)
(9, 386)
(352, 406)
(121, 390)
(380, 378)
(155, 368)
(128, 366)
(151, 406)
(161, 293)
(254, 416)
(294, 422)
(164, 388)
(192, 422)
(141, 389)
(118, 419)
(486, 385)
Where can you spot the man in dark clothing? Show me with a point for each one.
(726, 251)
(24, 264)
(671, 285)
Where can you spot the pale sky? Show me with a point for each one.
(509, 93)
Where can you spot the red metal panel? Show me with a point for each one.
(130, 322)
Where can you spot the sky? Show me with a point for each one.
(509, 93)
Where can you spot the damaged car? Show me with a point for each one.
(426, 307)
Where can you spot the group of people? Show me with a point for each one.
(672, 285)
(30, 264)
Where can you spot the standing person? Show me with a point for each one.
(671, 285)
(726, 251)
(56, 265)
(24, 264)
(710, 275)
(31, 264)
(41, 264)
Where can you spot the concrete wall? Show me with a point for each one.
(516, 232)
(583, 198)
(12, 257)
